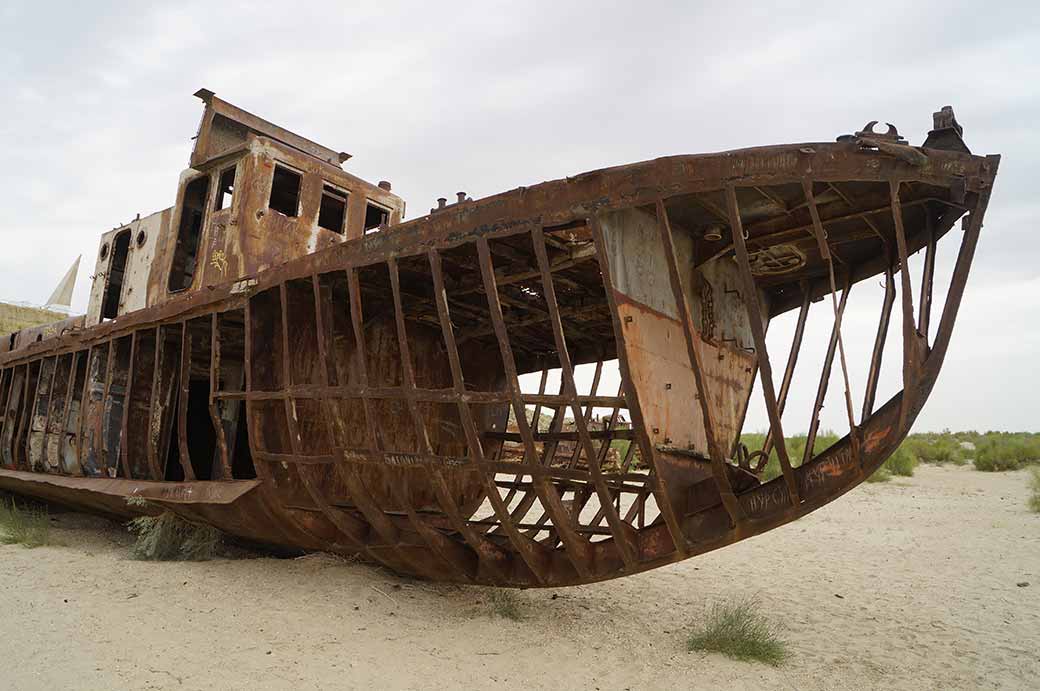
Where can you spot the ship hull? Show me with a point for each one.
(371, 399)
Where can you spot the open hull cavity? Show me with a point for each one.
(298, 370)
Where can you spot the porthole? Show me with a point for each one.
(104, 251)
(141, 238)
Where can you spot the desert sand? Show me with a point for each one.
(909, 584)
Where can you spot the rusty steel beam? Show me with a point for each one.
(827, 254)
(622, 534)
(214, 414)
(345, 526)
(47, 418)
(124, 457)
(438, 543)
(874, 373)
(825, 377)
(69, 393)
(184, 381)
(485, 549)
(99, 425)
(765, 369)
(785, 383)
(927, 277)
(912, 350)
(577, 547)
(360, 494)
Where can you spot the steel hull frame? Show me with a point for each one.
(560, 550)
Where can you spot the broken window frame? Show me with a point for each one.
(115, 274)
(278, 165)
(387, 211)
(178, 282)
(340, 194)
(223, 190)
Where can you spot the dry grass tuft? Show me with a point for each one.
(28, 526)
(505, 603)
(168, 537)
(737, 629)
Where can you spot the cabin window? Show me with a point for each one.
(285, 191)
(225, 189)
(375, 216)
(114, 275)
(333, 211)
(193, 214)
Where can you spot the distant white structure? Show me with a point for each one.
(61, 299)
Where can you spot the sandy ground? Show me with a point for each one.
(909, 584)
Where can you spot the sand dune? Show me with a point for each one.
(910, 584)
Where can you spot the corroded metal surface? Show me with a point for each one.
(363, 392)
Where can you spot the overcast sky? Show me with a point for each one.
(98, 118)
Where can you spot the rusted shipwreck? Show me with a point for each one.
(279, 355)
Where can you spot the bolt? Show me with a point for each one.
(461, 196)
(441, 202)
(384, 185)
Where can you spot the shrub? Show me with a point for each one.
(737, 629)
(902, 462)
(28, 526)
(880, 475)
(998, 453)
(1034, 485)
(935, 448)
(505, 603)
(167, 537)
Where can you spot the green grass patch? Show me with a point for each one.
(738, 630)
(168, 537)
(1034, 485)
(24, 525)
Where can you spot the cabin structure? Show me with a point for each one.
(255, 197)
